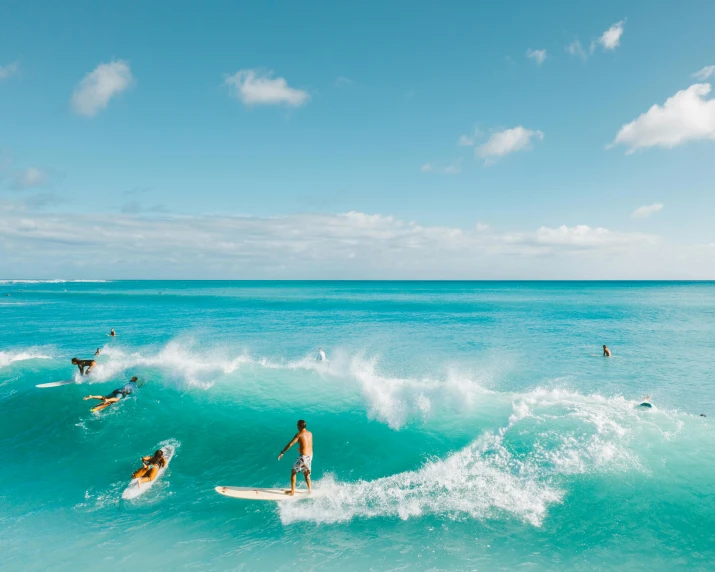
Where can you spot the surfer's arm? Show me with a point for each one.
(288, 446)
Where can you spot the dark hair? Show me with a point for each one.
(134, 378)
(158, 454)
(301, 424)
(74, 360)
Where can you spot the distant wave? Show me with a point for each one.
(6, 358)
(56, 281)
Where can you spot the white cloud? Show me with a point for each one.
(346, 245)
(342, 81)
(611, 38)
(576, 49)
(537, 55)
(99, 86)
(508, 141)
(704, 73)
(646, 211)
(451, 169)
(469, 140)
(9, 70)
(30, 177)
(259, 87)
(686, 116)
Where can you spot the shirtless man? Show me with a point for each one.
(304, 461)
(112, 334)
(82, 363)
(606, 351)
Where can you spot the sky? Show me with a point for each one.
(370, 140)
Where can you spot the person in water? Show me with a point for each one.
(606, 351)
(115, 396)
(150, 467)
(321, 355)
(84, 363)
(304, 438)
(112, 334)
(99, 351)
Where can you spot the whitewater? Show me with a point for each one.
(457, 426)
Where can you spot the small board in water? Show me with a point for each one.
(252, 493)
(134, 490)
(646, 404)
(57, 383)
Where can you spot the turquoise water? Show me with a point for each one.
(457, 426)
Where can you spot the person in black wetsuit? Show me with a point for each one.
(115, 396)
(84, 363)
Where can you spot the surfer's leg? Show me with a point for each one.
(292, 484)
(306, 474)
(139, 473)
(100, 397)
(151, 476)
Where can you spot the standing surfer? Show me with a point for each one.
(606, 351)
(304, 438)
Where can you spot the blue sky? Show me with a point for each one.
(322, 140)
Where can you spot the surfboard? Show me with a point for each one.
(646, 404)
(252, 493)
(134, 490)
(57, 383)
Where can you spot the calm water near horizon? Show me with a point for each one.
(457, 425)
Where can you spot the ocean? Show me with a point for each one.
(457, 425)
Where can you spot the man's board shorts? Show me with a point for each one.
(302, 464)
(116, 393)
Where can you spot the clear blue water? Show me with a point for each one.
(457, 425)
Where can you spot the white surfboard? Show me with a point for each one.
(252, 493)
(58, 383)
(134, 490)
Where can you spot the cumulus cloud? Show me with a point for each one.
(259, 87)
(508, 141)
(646, 211)
(28, 178)
(705, 73)
(611, 38)
(99, 86)
(346, 245)
(686, 116)
(9, 70)
(537, 55)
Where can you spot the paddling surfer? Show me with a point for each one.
(606, 351)
(112, 334)
(115, 396)
(84, 363)
(304, 438)
(150, 467)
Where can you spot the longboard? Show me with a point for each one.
(252, 493)
(134, 490)
(57, 383)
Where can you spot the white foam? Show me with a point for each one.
(6, 358)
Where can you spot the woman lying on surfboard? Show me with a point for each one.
(150, 467)
(115, 396)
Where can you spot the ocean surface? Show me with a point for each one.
(457, 425)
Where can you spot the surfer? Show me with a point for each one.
(112, 334)
(82, 363)
(606, 351)
(150, 467)
(321, 355)
(304, 438)
(115, 396)
(99, 351)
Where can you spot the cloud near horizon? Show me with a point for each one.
(99, 86)
(686, 116)
(259, 87)
(350, 245)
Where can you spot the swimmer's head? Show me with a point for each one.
(301, 424)
(158, 454)
(74, 360)
(134, 378)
